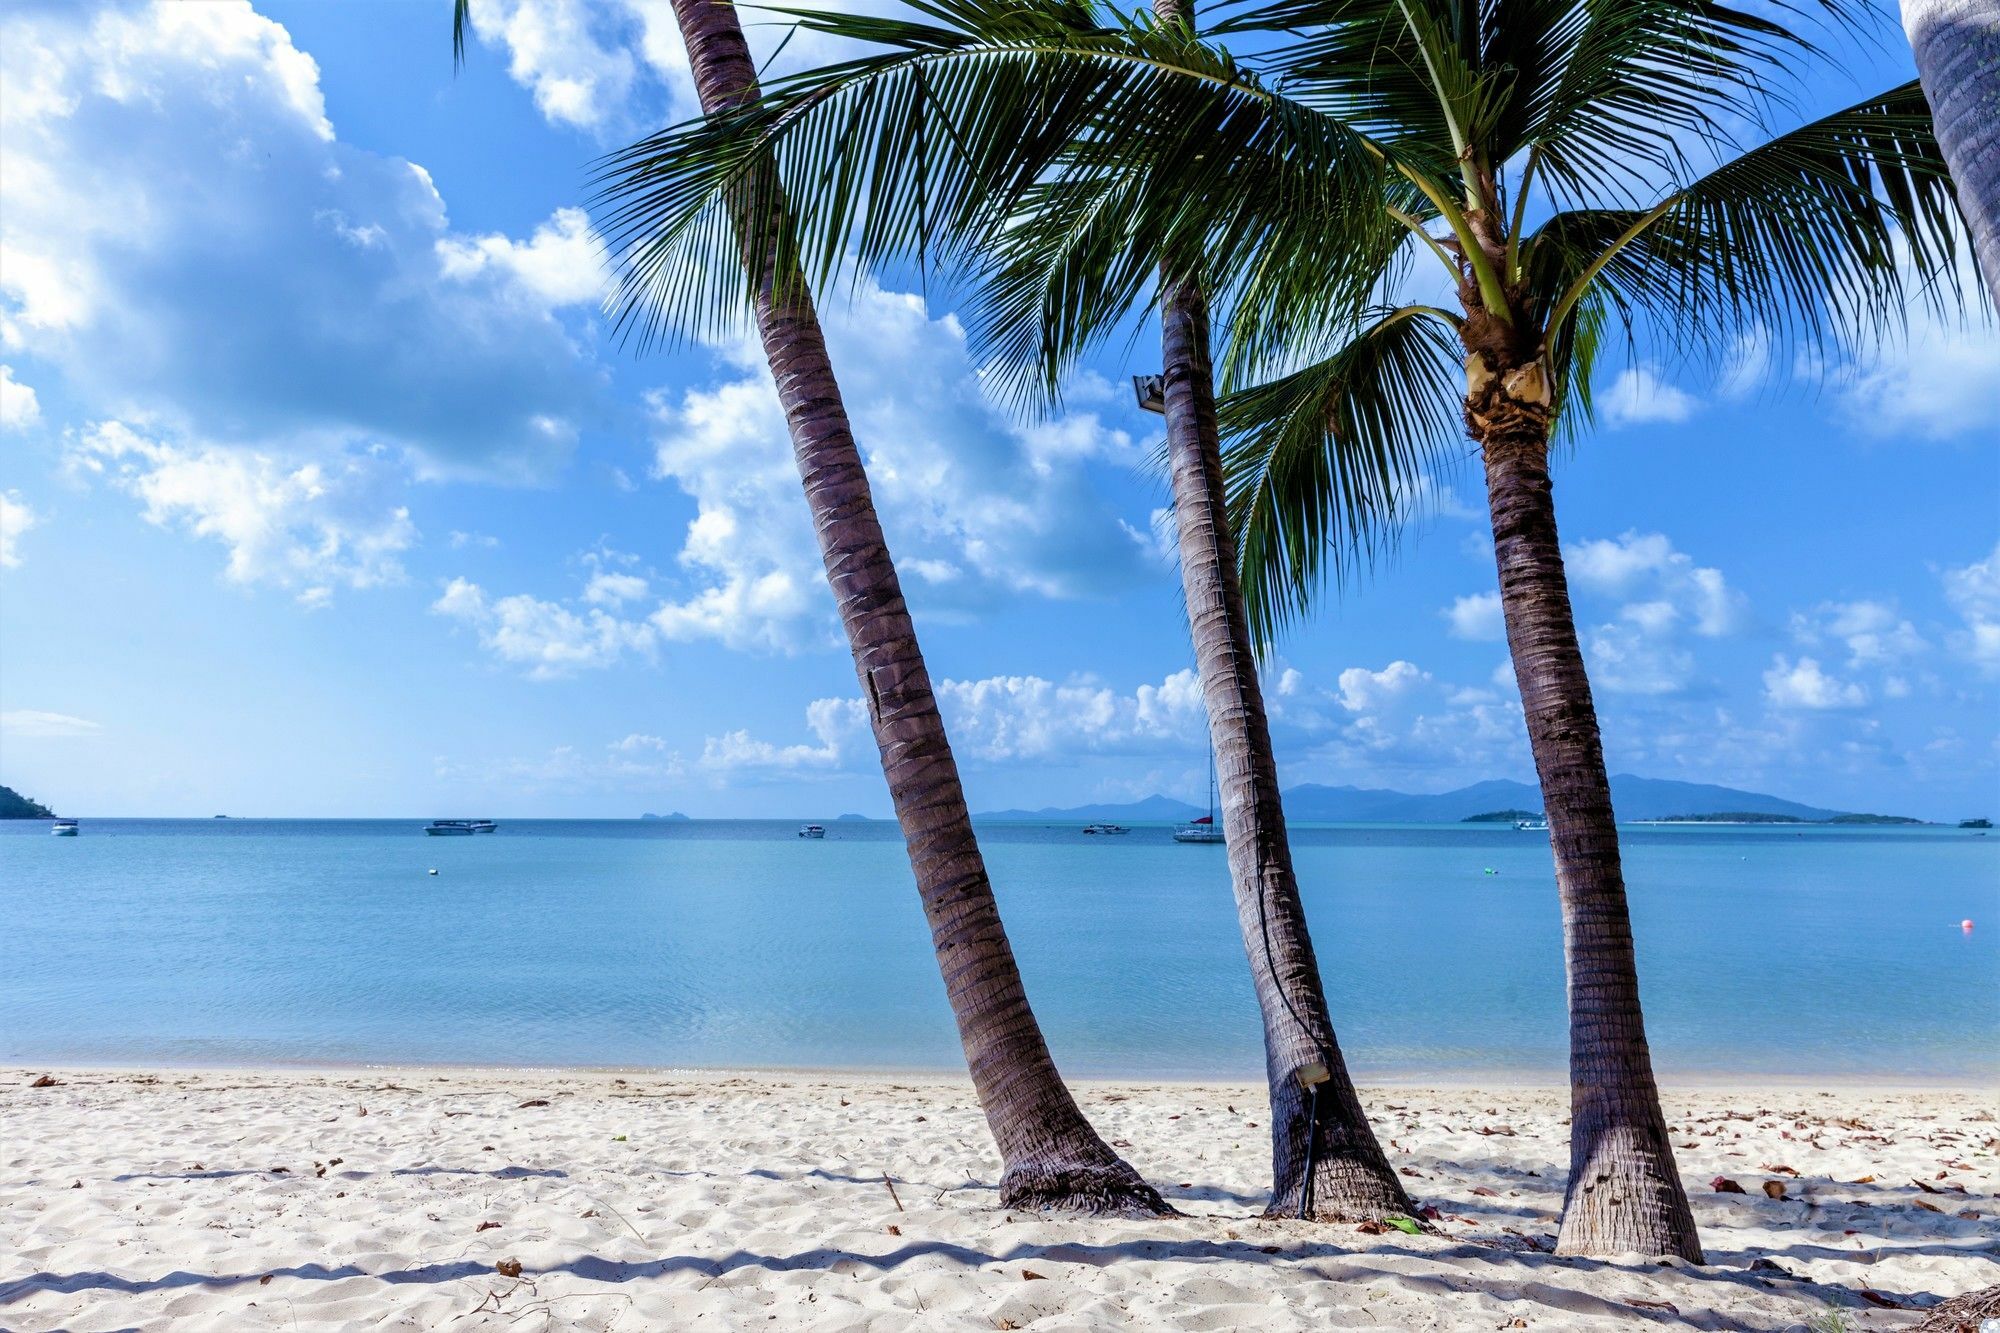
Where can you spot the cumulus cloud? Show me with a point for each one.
(1803, 684)
(834, 723)
(1940, 382)
(19, 408)
(974, 503)
(1362, 690)
(15, 519)
(32, 722)
(1974, 591)
(1476, 617)
(1647, 564)
(547, 638)
(302, 524)
(561, 264)
(1874, 633)
(1639, 396)
(189, 243)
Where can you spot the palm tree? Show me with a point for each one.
(1957, 45)
(1052, 1157)
(1537, 150)
(1326, 1160)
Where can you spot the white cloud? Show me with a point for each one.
(189, 244)
(562, 264)
(835, 724)
(575, 57)
(1362, 690)
(15, 519)
(607, 588)
(1639, 397)
(1637, 657)
(461, 540)
(1647, 563)
(1803, 684)
(32, 722)
(1875, 633)
(19, 408)
(1974, 591)
(974, 504)
(549, 639)
(1940, 382)
(305, 525)
(1476, 617)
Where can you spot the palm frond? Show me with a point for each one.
(924, 149)
(1809, 236)
(1325, 465)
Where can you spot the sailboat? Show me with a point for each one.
(1204, 829)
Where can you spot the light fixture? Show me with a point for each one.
(1151, 391)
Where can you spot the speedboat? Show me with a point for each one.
(482, 825)
(1106, 829)
(1532, 825)
(63, 828)
(450, 828)
(812, 830)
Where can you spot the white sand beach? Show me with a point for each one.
(393, 1199)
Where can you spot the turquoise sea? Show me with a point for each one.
(1789, 953)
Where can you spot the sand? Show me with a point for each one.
(384, 1199)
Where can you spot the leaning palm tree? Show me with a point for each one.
(1537, 150)
(1326, 1160)
(1052, 1157)
(1957, 45)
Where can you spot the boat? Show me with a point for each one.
(1532, 825)
(63, 828)
(482, 825)
(1204, 829)
(449, 828)
(812, 830)
(1106, 830)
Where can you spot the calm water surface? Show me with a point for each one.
(1762, 950)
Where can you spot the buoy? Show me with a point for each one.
(1966, 925)
(434, 872)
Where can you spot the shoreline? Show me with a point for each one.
(1670, 1080)
(157, 1198)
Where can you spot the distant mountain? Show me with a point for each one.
(13, 805)
(675, 815)
(850, 819)
(1154, 809)
(1312, 803)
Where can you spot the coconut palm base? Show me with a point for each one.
(1097, 1189)
(1624, 1199)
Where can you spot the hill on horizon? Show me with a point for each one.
(13, 805)
(1314, 803)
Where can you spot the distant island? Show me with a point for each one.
(1754, 817)
(1975, 823)
(13, 805)
(1498, 800)
(674, 815)
(851, 819)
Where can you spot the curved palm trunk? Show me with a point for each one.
(1624, 1191)
(1957, 45)
(1052, 1157)
(1352, 1180)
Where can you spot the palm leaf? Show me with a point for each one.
(1324, 465)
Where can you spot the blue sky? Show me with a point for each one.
(326, 492)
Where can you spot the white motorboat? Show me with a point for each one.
(1106, 830)
(812, 830)
(1532, 825)
(450, 828)
(63, 828)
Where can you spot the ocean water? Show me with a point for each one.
(1816, 953)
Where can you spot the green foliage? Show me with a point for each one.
(1297, 157)
(13, 805)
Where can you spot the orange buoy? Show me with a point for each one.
(1966, 925)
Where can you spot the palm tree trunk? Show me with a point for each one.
(1957, 45)
(1352, 1180)
(1052, 1156)
(1624, 1191)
